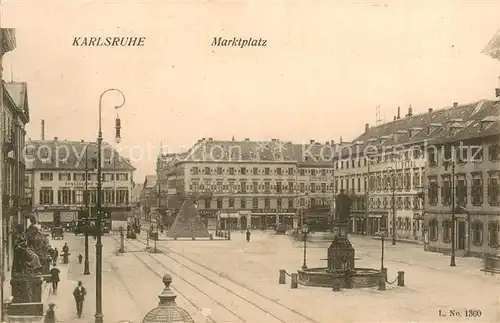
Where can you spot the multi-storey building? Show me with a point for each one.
(149, 196)
(15, 115)
(249, 183)
(60, 170)
(462, 174)
(382, 170)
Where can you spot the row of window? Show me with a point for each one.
(401, 203)
(254, 203)
(78, 177)
(379, 182)
(477, 232)
(260, 171)
(477, 191)
(69, 197)
(256, 187)
(463, 154)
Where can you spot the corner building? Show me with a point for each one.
(468, 137)
(241, 184)
(382, 170)
(58, 171)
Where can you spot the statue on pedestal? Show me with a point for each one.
(30, 253)
(341, 253)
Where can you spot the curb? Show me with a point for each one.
(414, 242)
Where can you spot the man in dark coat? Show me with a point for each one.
(248, 235)
(54, 278)
(79, 295)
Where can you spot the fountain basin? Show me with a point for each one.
(322, 277)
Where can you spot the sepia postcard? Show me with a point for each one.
(249, 161)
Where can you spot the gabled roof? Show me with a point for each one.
(273, 150)
(70, 155)
(433, 127)
(18, 92)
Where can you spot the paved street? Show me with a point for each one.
(431, 285)
(117, 304)
(236, 281)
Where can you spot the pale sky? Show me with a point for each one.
(327, 65)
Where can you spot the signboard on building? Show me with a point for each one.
(81, 184)
(68, 216)
(318, 178)
(45, 216)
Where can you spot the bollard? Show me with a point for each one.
(381, 283)
(401, 278)
(225, 235)
(384, 273)
(282, 279)
(294, 283)
(211, 236)
(193, 238)
(175, 237)
(229, 235)
(336, 285)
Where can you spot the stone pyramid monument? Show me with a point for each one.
(188, 223)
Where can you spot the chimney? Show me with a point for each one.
(332, 142)
(81, 141)
(43, 130)
(399, 112)
(430, 110)
(367, 126)
(247, 139)
(341, 140)
(394, 118)
(311, 141)
(210, 139)
(55, 138)
(455, 104)
(410, 111)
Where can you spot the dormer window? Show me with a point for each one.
(432, 127)
(488, 121)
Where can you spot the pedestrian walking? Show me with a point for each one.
(80, 258)
(55, 255)
(54, 277)
(50, 315)
(65, 248)
(79, 295)
(248, 235)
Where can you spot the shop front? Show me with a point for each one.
(269, 218)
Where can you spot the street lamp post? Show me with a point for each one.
(394, 210)
(453, 216)
(304, 232)
(98, 281)
(382, 238)
(86, 266)
(393, 206)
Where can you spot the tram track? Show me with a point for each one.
(160, 275)
(260, 302)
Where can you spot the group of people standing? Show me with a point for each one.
(79, 292)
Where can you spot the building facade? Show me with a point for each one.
(463, 175)
(382, 170)
(241, 184)
(63, 176)
(149, 198)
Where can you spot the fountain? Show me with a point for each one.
(341, 270)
